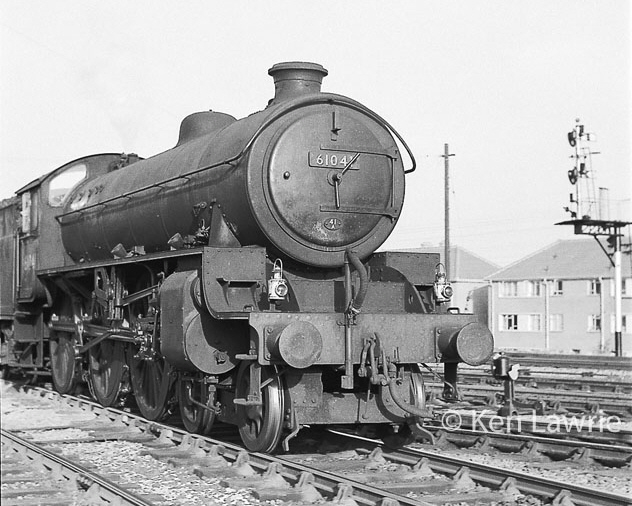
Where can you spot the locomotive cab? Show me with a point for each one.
(33, 246)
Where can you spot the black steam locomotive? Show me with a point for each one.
(235, 275)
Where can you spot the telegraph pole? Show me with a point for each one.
(446, 161)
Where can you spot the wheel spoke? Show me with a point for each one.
(107, 368)
(152, 385)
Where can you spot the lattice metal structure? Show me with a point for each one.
(589, 215)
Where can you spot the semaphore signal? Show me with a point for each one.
(589, 214)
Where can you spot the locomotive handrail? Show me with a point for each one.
(145, 188)
(327, 98)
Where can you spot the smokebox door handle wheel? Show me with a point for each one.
(152, 383)
(196, 400)
(63, 363)
(260, 425)
(107, 368)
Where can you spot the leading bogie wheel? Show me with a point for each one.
(260, 426)
(196, 400)
(107, 370)
(412, 391)
(64, 366)
(418, 388)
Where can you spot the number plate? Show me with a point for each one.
(332, 160)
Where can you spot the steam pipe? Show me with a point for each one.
(347, 379)
(358, 300)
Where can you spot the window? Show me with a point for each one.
(594, 287)
(508, 289)
(62, 184)
(520, 289)
(532, 324)
(26, 212)
(508, 322)
(626, 323)
(556, 322)
(626, 287)
(594, 323)
(520, 322)
(557, 287)
(29, 211)
(532, 288)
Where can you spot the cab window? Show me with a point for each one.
(29, 212)
(63, 183)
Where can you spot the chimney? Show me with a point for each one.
(293, 79)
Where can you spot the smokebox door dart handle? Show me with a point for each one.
(337, 178)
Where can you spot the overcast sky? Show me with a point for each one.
(500, 81)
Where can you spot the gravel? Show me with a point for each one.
(122, 461)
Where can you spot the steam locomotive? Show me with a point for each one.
(235, 275)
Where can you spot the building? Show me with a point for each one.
(468, 278)
(560, 299)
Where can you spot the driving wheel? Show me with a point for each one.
(152, 383)
(106, 369)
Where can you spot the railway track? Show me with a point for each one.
(556, 429)
(552, 401)
(552, 384)
(209, 461)
(372, 475)
(555, 379)
(32, 474)
(491, 479)
(590, 362)
(529, 445)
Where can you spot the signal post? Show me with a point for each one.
(585, 208)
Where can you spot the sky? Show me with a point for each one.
(500, 81)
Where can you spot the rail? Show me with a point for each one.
(107, 490)
(571, 361)
(329, 485)
(496, 477)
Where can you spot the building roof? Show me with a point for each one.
(464, 264)
(564, 259)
